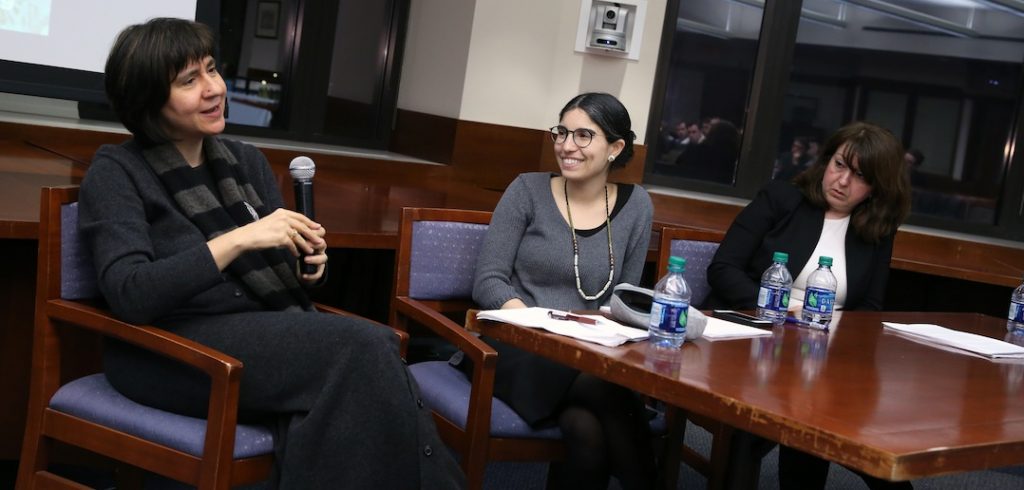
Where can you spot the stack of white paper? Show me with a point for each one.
(718, 329)
(606, 332)
(962, 341)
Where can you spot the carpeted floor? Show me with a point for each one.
(527, 476)
(524, 476)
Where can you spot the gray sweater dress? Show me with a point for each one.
(528, 254)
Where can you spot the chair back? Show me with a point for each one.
(698, 247)
(436, 257)
(443, 259)
(77, 272)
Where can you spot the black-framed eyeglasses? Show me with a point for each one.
(581, 136)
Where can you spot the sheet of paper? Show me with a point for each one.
(607, 332)
(718, 329)
(965, 341)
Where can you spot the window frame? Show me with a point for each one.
(771, 76)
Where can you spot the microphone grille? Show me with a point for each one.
(302, 168)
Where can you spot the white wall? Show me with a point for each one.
(434, 62)
(520, 67)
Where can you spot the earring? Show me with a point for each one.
(611, 158)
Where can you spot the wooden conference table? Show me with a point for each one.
(873, 401)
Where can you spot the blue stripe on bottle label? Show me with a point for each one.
(669, 317)
(1016, 312)
(773, 298)
(819, 301)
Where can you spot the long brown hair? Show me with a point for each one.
(880, 159)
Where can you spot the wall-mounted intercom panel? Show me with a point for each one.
(611, 28)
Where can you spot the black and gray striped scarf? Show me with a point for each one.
(266, 273)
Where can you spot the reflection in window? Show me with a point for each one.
(358, 68)
(708, 82)
(312, 71)
(945, 81)
(252, 42)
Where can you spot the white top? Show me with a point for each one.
(831, 243)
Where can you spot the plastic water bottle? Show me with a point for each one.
(671, 306)
(1015, 319)
(773, 296)
(820, 295)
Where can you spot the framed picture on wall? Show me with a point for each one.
(268, 16)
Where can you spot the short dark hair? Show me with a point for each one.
(880, 159)
(611, 116)
(142, 63)
(724, 133)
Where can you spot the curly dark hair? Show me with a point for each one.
(880, 158)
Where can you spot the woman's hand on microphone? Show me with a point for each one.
(317, 257)
(282, 228)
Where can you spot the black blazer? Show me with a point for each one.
(781, 219)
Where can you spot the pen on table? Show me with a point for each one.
(557, 315)
(802, 323)
(793, 319)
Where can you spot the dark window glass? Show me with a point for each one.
(358, 66)
(325, 72)
(708, 81)
(951, 99)
(255, 39)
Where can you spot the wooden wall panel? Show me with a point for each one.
(74, 144)
(491, 156)
(961, 259)
(424, 136)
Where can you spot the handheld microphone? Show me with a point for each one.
(302, 170)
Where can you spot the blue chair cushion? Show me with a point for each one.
(445, 390)
(443, 259)
(93, 399)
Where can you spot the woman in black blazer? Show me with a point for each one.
(847, 206)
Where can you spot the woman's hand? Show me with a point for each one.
(318, 257)
(513, 303)
(282, 228)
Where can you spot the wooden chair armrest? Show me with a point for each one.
(403, 337)
(225, 372)
(477, 350)
(210, 361)
(484, 358)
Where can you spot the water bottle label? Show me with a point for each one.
(773, 298)
(819, 300)
(1016, 312)
(669, 317)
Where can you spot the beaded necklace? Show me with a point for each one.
(576, 246)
